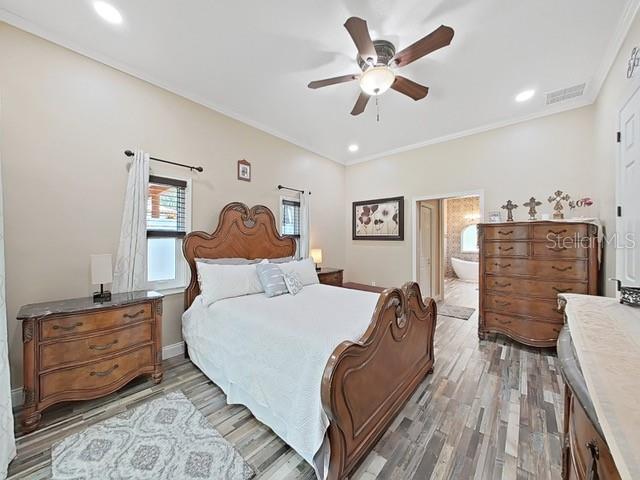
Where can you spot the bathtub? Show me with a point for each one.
(465, 270)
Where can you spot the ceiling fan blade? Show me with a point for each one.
(440, 37)
(409, 88)
(359, 32)
(332, 81)
(361, 104)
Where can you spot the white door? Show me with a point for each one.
(426, 251)
(628, 222)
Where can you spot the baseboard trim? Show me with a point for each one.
(169, 351)
(172, 350)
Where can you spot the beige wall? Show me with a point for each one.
(64, 123)
(460, 212)
(531, 158)
(614, 94)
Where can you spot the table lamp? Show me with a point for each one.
(316, 255)
(101, 273)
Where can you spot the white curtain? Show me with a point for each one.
(130, 272)
(7, 441)
(303, 247)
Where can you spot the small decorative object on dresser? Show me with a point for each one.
(78, 350)
(532, 204)
(558, 197)
(523, 268)
(244, 170)
(101, 273)
(330, 276)
(509, 207)
(380, 219)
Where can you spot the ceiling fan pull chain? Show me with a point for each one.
(377, 110)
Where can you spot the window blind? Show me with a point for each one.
(166, 207)
(290, 218)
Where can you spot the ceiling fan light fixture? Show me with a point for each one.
(377, 80)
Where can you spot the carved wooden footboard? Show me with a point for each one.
(367, 383)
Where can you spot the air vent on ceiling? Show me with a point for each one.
(565, 94)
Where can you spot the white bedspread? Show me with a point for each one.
(270, 353)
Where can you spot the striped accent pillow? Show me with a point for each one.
(272, 279)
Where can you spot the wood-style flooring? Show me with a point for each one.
(490, 410)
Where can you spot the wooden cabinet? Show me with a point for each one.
(585, 453)
(330, 276)
(523, 267)
(78, 350)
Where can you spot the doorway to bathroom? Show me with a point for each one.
(445, 250)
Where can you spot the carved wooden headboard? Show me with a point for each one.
(242, 233)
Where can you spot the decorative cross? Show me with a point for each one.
(558, 197)
(509, 207)
(532, 204)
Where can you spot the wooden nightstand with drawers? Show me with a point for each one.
(78, 350)
(330, 276)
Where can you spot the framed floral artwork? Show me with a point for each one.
(381, 219)
(244, 170)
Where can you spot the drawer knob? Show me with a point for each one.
(592, 446)
(505, 249)
(502, 265)
(69, 328)
(557, 249)
(559, 232)
(502, 285)
(509, 232)
(561, 269)
(562, 290)
(134, 315)
(105, 372)
(105, 346)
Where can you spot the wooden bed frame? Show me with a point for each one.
(366, 383)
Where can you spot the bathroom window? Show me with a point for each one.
(469, 239)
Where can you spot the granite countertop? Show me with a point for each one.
(75, 305)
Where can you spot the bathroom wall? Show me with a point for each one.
(459, 212)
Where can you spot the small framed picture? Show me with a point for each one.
(244, 170)
(494, 216)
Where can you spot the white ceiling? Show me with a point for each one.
(253, 59)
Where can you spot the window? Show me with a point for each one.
(290, 217)
(168, 212)
(469, 239)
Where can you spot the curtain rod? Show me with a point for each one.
(282, 187)
(129, 153)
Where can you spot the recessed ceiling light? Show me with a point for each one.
(526, 95)
(108, 12)
(353, 148)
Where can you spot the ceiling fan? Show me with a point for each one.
(378, 60)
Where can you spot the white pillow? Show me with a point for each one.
(305, 269)
(227, 281)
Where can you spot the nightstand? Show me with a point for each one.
(78, 350)
(330, 276)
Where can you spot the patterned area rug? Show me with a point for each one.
(463, 313)
(167, 438)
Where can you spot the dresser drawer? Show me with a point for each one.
(532, 288)
(91, 348)
(533, 331)
(92, 322)
(544, 269)
(547, 309)
(560, 231)
(506, 232)
(506, 249)
(334, 279)
(97, 375)
(553, 249)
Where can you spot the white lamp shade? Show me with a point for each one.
(316, 254)
(101, 269)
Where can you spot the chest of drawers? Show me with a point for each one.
(78, 350)
(330, 276)
(523, 267)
